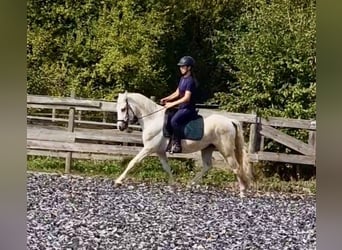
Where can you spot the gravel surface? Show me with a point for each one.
(69, 212)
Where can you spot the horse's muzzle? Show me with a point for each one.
(122, 125)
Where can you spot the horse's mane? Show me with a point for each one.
(143, 101)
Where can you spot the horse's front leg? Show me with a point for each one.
(166, 166)
(141, 155)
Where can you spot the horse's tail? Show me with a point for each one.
(242, 155)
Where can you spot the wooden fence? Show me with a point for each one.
(70, 127)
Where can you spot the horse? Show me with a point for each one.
(220, 133)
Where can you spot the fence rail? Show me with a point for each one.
(67, 130)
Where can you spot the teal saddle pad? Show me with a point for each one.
(193, 130)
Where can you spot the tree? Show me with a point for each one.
(96, 47)
(271, 54)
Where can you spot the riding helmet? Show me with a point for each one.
(186, 61)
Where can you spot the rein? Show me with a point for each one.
(128, 107)
(149, 113)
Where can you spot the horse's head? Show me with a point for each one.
(125, 113)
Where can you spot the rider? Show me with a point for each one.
(184, 97)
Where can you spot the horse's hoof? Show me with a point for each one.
(117, 184)
(171, 182)
(170, 188)
(242, 195)
(193, 186)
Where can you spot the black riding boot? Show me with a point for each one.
(176, 146)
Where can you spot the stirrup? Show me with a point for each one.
(176, 148)
(169, 146)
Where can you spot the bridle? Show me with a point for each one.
(127, 119)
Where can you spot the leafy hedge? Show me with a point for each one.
(251, 55)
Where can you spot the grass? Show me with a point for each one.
(150, 170)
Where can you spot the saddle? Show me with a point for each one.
(193, 130)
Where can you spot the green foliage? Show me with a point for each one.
(130, 52)
(271, 54)
(103, 47)
(96, 47)
(255, 55)
(58, 49)
(47, 164)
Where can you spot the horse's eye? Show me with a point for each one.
(123, 109)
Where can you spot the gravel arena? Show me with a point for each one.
(70, 212)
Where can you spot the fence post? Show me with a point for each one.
(104, 116)
(254, 136)
(79, 114)
(71, 125)
(53, 114)
(312, 137)
(262, 139)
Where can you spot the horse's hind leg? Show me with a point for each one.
(207, 164)
(233, 163)
(166, 166)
